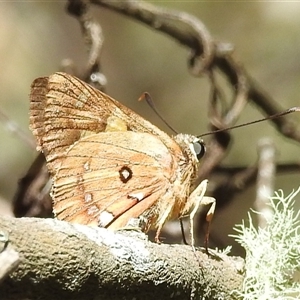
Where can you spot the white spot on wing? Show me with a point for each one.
(105, 218)
(86, 166)
(138, 196)
(125, 174)
(92, 210)
(88, 197)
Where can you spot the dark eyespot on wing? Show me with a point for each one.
(125, 174)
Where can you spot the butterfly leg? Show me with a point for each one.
(212, 202)
(161, 222)
(197, 198)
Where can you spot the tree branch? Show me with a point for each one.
(64, 261)
(191, 32)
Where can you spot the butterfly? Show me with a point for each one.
(108, 164)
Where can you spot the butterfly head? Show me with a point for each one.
(193, 147)
(192, 150)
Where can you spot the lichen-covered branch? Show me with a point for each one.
(64, 261)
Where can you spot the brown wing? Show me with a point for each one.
(108, 178)
(62, 108)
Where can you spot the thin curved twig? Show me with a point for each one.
(183, 27)
(93, 37)
(193, 35)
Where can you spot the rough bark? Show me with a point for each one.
(63, 261)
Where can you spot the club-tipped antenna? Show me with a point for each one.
(146, 96)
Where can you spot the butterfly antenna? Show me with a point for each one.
(150, 102)
(286, 112)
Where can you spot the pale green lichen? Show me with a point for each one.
(272, 266)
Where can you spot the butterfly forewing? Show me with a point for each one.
(63, 107)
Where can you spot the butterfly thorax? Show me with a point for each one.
(186, 171)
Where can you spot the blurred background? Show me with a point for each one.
(36, 36)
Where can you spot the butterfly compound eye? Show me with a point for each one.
(199, 148)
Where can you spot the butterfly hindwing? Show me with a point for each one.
(112, 182)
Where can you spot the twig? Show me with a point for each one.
(183, 27)
(265, 180)
(280, 169)
(32, 198)
(194, 35)
(234, 184)
(93, 37)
